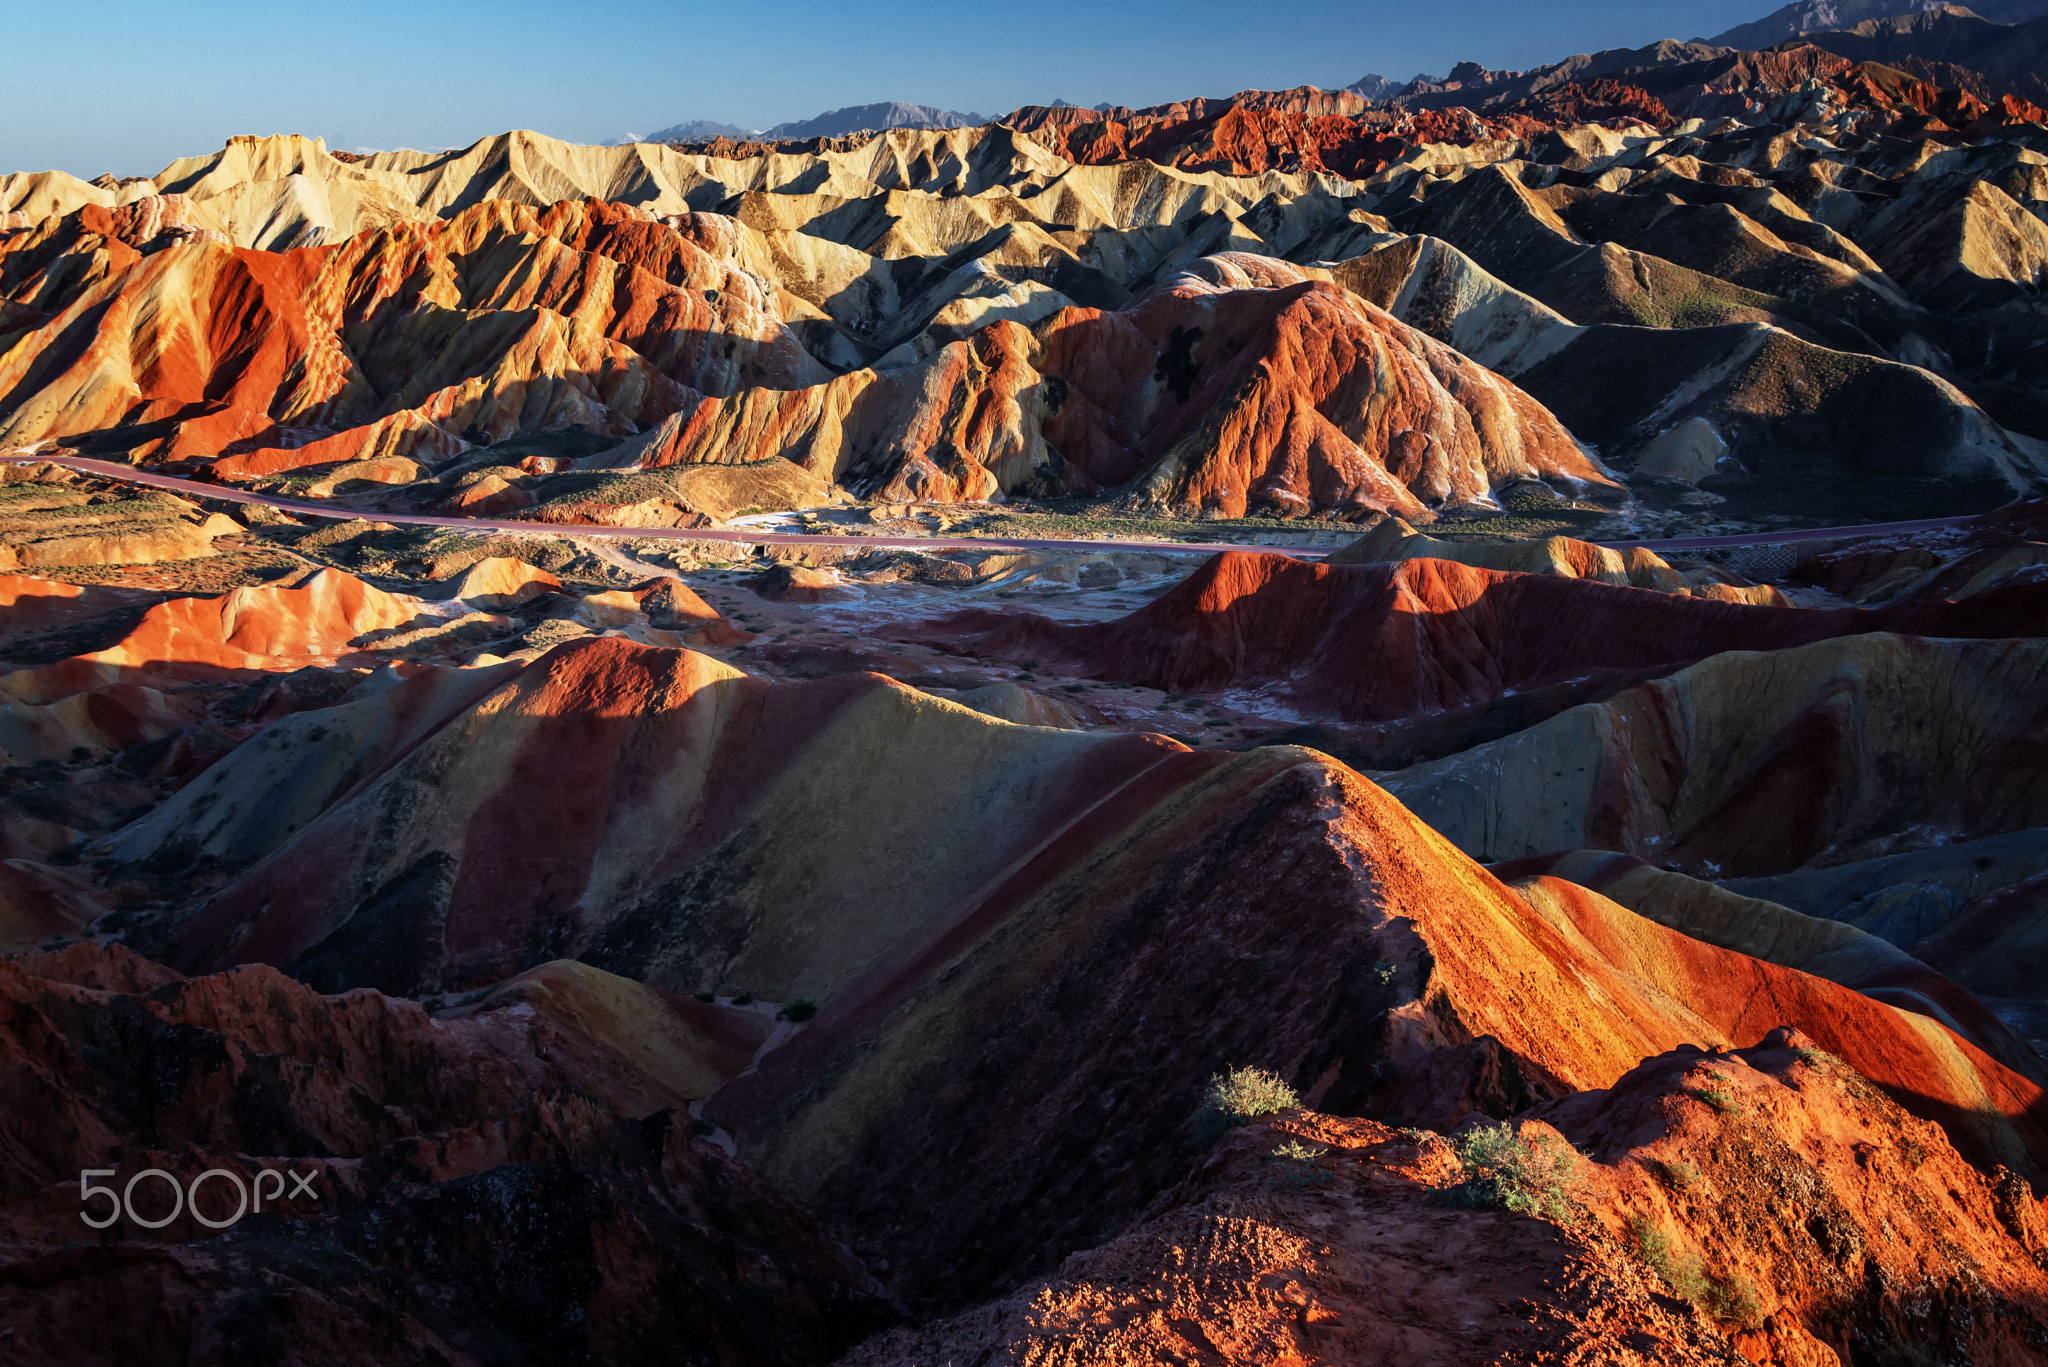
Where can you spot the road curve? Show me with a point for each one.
(748, 536)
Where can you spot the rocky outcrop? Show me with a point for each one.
(1393, 541)
(51, 525)
(474, 1182)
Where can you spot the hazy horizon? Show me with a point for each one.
(159, 85)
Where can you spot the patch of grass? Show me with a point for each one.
(1717, 1095)
(1680, 1175)
(1240, 1096)
(1295, 1150)
(1538, 1175)
(1732, 1299)
(1301, 1169)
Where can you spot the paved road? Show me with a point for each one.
(749, 536)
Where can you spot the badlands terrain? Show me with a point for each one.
(1306, 728)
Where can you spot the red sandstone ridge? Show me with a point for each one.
(1383, 643)
(1833, 950)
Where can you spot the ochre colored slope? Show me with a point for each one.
(1751, 764)
(1279, 392)
(1386, 975)
(501, 319)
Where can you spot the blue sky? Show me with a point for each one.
(115, 85)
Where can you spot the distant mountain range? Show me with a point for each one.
(861, 117)
(858, 118)
(1376, 87)
(692, 130)
(1813, 16)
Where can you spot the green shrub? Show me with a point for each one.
(802, 1009)
(1539, 1175)
(1732, 1300)
(1248, 1093)
(1238, 1096)
(1679, 1175)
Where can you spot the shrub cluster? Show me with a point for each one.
(1537, 1175)
(1239, 1096)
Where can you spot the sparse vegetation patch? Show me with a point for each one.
(1536, 1174)
(1732, 1299)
